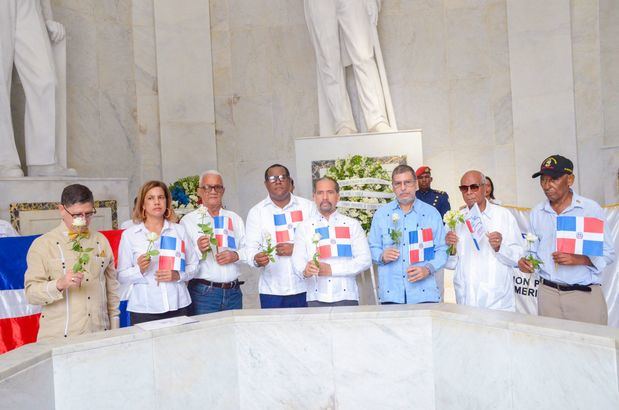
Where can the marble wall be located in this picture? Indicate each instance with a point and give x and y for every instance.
(493, 84)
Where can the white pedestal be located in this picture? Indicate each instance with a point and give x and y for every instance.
(49, 189)
(376, 145)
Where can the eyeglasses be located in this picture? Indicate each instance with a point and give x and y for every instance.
(217, 188)
(405, 184)
(87, 215)
(473, 187)
(274, 178)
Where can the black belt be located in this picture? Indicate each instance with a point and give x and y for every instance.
(223, 285)
(567, 288)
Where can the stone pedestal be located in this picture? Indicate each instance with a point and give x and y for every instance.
(314, 155)
(42, 190)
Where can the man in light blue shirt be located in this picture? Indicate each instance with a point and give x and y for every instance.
(570, 286)
(401, 281)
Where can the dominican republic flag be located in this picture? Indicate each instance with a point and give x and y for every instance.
(285, 224)
(172, 254)
(224, 232)
(580, 235)
(420, 245)
(335, 242)
(19, 321)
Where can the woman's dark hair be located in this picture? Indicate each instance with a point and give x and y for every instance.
(491, 184)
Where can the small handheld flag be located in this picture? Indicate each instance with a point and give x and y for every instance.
(420, 245)
(580, 235)
(335, 242)
(285, 224)
(224, 232)
(172, 254)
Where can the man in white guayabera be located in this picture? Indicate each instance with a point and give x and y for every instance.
(343, 33)
(26, 28)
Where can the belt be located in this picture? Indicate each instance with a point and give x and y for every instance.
(567, 288)
(223, 285)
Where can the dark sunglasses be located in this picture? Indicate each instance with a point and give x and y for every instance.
(465, 188)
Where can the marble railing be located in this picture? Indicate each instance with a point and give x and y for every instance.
(426, 357)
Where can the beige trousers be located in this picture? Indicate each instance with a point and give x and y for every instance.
(576, 305)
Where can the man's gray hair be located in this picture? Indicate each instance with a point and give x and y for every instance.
(210, 172)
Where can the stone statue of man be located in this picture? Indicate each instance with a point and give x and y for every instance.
(343, 33)
(26, 28)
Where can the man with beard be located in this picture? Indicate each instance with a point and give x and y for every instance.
(273, 221)
(407, 241)
(330, 249)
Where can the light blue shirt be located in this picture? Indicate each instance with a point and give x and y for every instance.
(544, 225)
(392, 279)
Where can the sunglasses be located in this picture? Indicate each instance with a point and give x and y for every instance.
(274, 178)
(473, 187)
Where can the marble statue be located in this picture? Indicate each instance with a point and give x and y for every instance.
(27, 29)
(344, 33)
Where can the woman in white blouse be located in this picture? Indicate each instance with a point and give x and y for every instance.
(158, 278)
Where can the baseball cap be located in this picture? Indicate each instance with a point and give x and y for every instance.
(555, 166)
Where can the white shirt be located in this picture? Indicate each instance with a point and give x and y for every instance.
(209, 269)
(484, 278)
(145, 296)
(342, 284)
(277, 278)
(6, 229)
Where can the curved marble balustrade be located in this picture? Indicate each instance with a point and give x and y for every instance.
(390, 357)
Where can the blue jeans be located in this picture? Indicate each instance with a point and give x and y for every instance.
(209, 299)
(287, 301)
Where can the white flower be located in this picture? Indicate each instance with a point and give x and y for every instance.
(152, 236)
(202, 210)
(316, 238)
(266, 235)
(395, 218)
(79, 222)
(531, 237)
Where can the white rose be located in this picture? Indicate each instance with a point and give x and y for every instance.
(152, 236)
(317, 237)
(395, 218)
(79, 222)
(266, 235)
(202, 210)
(531, 237)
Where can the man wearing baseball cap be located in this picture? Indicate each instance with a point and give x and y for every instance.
(434, 197)
(570, 283)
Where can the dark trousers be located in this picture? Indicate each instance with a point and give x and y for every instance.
(148, 317)
(287, 301)
(317, 303)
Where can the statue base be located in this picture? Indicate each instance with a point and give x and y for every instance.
(30, 203)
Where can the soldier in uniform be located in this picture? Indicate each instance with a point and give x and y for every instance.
(438, 199)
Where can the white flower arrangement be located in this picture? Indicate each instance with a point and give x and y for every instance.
(356, 167)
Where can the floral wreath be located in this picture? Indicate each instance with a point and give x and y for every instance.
(185, 193)
(364, 187)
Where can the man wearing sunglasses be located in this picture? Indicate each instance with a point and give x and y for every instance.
(407, 268)
(484, 269)
(216, 286)
(570, 283)
(274, 220)
(73, 302)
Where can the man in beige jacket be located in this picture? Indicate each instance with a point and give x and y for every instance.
(75, 299)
